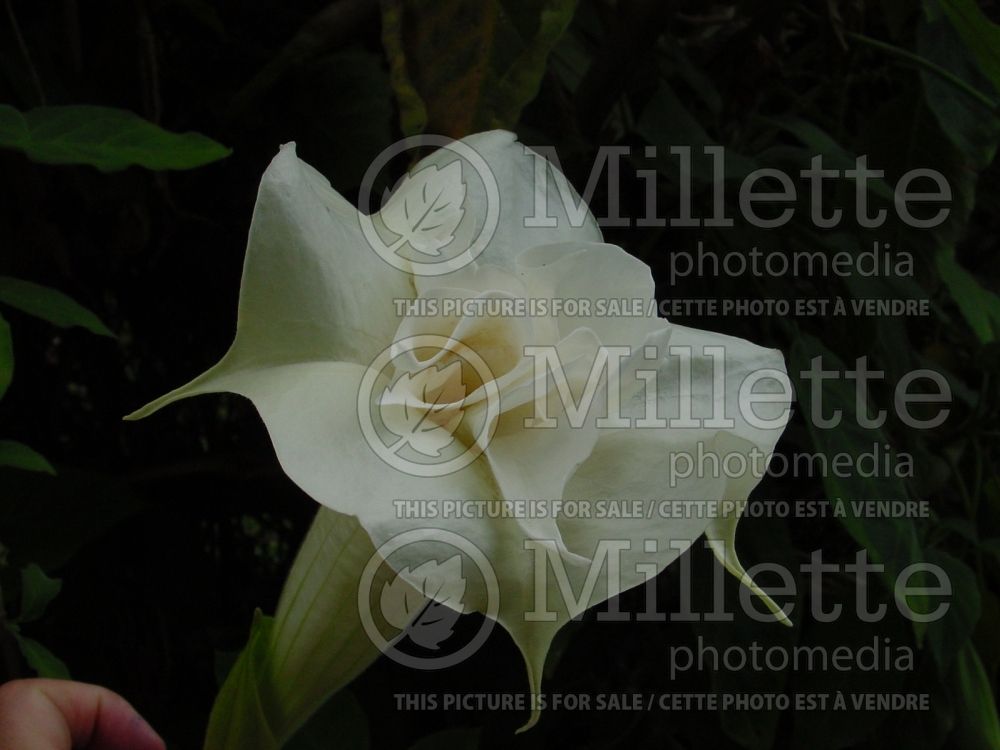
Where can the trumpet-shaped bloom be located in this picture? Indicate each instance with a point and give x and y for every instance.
(318, 306)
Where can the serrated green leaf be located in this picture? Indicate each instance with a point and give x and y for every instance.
(49, 304)
(37, 592)
(103, 137)
(44, 662)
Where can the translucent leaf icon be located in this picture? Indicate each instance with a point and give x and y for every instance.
(426, 209)
(400, 602)
(433, 626)
(420, 408)
(426, 602)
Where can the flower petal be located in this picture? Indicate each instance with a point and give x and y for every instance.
(522, 188)
(599, 286)
(312, 288)
(721, 537)
(532, 462)
(309, 411)
(708, 466)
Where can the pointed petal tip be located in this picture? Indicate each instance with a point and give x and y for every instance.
(204, 383)
(536, 714)
(144, 411)
(779, 613)
(284, 164)
(722, 540)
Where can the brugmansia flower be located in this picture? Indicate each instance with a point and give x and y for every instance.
(318, 306)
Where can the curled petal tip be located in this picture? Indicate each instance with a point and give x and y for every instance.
(722, 539)
(536, 714)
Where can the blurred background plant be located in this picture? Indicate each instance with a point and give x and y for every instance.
(166, 535)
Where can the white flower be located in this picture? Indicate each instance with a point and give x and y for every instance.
(317, 308)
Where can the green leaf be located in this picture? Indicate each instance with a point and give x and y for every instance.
(666, 122)
(979, 306)
(6, 357)
(819, 141)
(946, 636)
(965, 120)
(103, 137)
(923, 64)
(984, 638)
(342, 717)
(312, 648)
(49, 304)
(891, 541)
(239, 718)
(53, 517)
(913, 727)
(19, 456)
(979, 32)
(37, 592)
(848, 727)
(44, 662)
(924, 142)
(976, 723)
(478, 79)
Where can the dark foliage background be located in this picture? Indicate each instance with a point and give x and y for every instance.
(168, 533)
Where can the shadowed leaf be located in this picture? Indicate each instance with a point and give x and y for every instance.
(103, 137)
(49, 304)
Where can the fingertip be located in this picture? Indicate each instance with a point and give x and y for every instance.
(118, 725)
(53, 714)
(145, 737)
